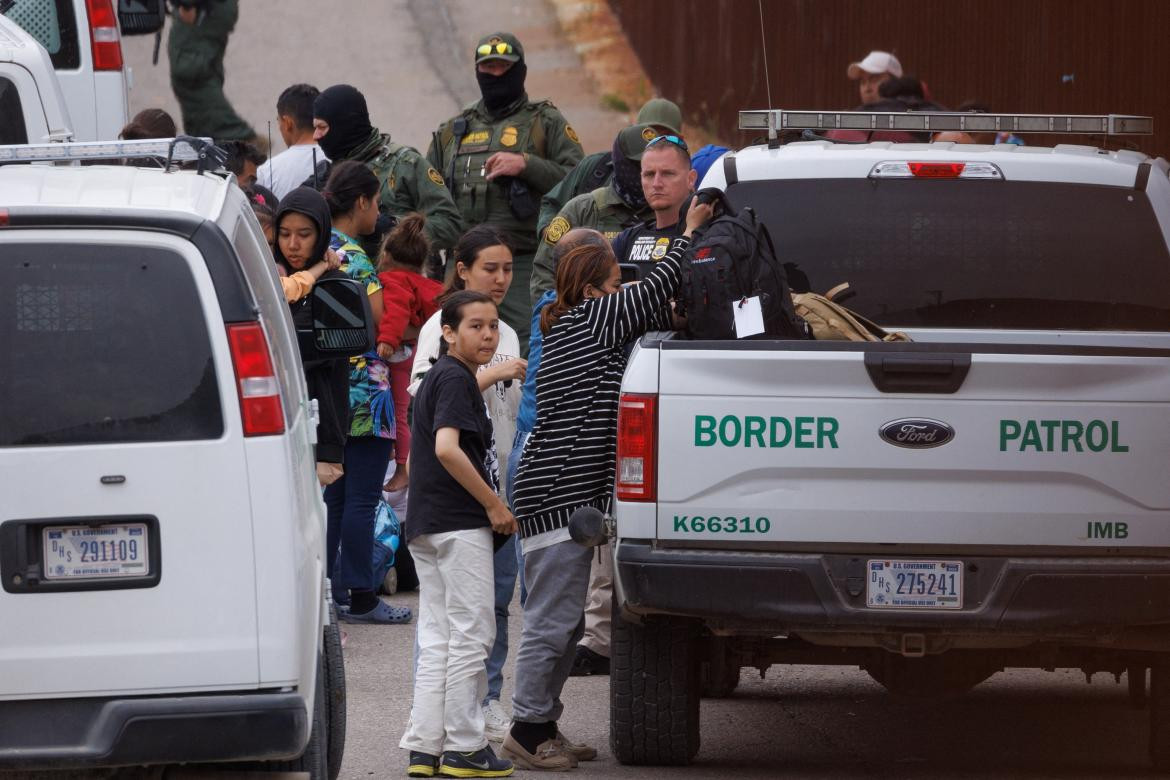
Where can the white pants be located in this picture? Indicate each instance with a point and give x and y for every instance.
(456, 629)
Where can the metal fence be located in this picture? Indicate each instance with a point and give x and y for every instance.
(1058, 56)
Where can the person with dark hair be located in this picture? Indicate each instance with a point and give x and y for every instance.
(149, 123)
(483, 263)
(243, 160)
(408, 183)
(352, 501)
(408, 301)
(456, 511)
(294, 116)
(500, 155)
(581, 369)
(609, 209)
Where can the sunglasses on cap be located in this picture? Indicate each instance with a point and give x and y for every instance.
(498, 48)
(670, 139)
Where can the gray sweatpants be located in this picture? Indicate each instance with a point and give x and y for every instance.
(554, 621)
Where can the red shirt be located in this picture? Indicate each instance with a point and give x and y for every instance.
(408, 298)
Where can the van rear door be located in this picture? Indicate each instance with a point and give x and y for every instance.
(125, 523)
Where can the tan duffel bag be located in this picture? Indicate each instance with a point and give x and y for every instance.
(830, 321)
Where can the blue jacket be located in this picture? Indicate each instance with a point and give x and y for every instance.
(526, 417)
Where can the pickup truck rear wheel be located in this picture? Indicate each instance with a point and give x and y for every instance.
(1159, 701)
(654, 691)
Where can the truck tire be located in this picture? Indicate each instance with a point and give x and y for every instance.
(719, 673)
(1159, 702)
(948, 675)
(334, 694)
(654, 691)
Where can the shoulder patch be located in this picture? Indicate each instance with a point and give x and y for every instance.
(434, 176)
(569, 131)
(392, 181)
(556, 230)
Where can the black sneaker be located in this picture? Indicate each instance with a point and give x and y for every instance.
(422, 764)
(481, 763)
(588, 662)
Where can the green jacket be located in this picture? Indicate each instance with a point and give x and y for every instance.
(536, 129)
(601, 210)
(594, 171)
(409, 183)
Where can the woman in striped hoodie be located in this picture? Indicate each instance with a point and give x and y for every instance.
(568, 464)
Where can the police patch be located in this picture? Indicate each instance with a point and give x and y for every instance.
(510, 136)
(660, 248)
(434, 176)
(569, 131)
(556, 230)
(648, 133)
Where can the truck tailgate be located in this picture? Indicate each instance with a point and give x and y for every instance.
(1037, 447)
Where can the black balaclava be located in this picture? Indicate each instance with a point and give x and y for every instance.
(307, 201)
(501, 92)
(627, 178)
(344, 108)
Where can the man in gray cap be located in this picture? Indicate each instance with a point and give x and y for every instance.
(608, 209)
(596, 169)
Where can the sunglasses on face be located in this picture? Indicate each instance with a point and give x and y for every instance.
(670, 139)
(499, 48)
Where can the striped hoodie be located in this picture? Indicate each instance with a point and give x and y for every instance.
(570, 458)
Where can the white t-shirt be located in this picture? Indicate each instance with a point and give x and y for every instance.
(503, 403)
(288, 170)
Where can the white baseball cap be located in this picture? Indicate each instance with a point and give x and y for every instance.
(876, 62)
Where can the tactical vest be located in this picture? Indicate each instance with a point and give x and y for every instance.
(465, 154)
(612, 219)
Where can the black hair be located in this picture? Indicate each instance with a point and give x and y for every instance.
(239, 152)
(902, 87)
(348, 181)
(452, 312)
(149, 123)
(296, 102)
(407, 244)
(470, 244)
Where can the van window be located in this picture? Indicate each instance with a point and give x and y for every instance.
(54, 26)
(102, 344)
(12, 129)
(973, 254)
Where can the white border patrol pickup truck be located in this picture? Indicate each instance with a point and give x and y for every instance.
(992, 494)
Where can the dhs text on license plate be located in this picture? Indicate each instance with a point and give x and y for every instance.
(894, 584)
(96, 552)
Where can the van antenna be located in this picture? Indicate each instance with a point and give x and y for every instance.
(773, 136)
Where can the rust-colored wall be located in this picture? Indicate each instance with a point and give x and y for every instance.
(1028, 56)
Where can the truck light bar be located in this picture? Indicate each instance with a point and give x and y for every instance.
(776, 120)
(164, 150)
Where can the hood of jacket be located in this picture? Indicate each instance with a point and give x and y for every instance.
(307, 201)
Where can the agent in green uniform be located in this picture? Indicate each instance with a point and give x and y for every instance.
(595, 169)
(500, 155)
(197, 42)
(608, 210)
(341, 127)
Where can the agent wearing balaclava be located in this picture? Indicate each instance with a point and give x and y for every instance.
(341, 127)
(500, 155)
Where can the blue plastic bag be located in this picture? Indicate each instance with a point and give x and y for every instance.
(387, 537)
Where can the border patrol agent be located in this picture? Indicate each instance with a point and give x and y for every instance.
(341, 127)
(609, 209)
(500, 155)
(596, 169)
(195, 48)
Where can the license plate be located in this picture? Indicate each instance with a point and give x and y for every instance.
(915, 585)
(75, 552)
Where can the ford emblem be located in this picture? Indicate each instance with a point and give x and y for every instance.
(917, 433)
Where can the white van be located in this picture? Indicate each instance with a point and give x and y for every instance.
(85, 46)
(162, 578)
(32, 108)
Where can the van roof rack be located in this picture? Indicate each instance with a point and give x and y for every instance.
(166, 150)
(780, 119)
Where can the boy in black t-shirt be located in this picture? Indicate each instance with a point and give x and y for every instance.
(454, 509)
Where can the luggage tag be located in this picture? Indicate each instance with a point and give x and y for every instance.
(749, 316)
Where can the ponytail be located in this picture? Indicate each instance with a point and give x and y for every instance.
(407, 244)
(348, 181)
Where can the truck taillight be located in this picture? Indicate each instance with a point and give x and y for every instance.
(637, 445)
(260, 405)
(103, 35)
(900, 169)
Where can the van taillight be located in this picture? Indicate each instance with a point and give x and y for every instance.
(103, 35)
(260, 405)
(636, 446)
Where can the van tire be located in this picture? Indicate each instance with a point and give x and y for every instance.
(1159, 703)
(654, 691)
(315, 759)
(334, 694)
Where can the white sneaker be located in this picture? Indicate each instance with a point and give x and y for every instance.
(496, 722)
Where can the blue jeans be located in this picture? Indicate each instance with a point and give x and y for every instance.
(352, 504)
(514, 457)
(505, 576)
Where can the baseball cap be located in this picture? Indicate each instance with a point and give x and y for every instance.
(499, 46)
(661, 113)
(876, 62)
(632, 140)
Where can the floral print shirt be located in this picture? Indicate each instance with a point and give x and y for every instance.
(371, 406)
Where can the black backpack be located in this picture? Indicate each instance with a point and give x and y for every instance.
(730, 259)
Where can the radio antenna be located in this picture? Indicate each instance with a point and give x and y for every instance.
(773, 136)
